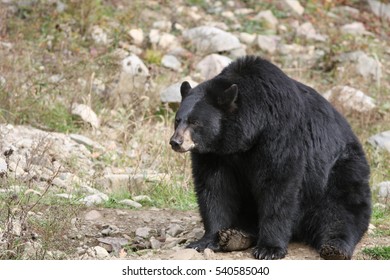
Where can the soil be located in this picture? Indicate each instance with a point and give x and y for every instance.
(124, 223)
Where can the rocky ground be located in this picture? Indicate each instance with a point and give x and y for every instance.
(87, 103)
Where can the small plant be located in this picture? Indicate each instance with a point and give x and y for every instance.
(378, 252)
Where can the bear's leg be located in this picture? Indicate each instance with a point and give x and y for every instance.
(277, 208)
(219, 201)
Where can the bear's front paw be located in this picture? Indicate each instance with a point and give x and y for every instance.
(204, 243)
(269, 253)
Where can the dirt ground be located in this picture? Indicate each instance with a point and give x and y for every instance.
(113, 225)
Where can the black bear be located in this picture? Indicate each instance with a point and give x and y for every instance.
(272, 162)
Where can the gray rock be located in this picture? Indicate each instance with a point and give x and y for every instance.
(380, 9)
(64, 195)
(84, 140)
(268, 18)
(174, 230)
(366, 66)
(197, 233)
(355, 28)
(154, 243)
(168, 42)
(115, 243)
(109, 230)
(381, 140)
(100, 252)
(94, 199)
(171, 62)
(3, 167)
(307, 30)
(207, 39)
(86, 114)
(350, 98)
(93, 215)
(54, 79)
(133, 66)
(268, 43)
(212, 65)
(383, 189)
(172, 93)
(294, 6)
(130, 202)
(247, 38)
(209, 254)
(143, 232)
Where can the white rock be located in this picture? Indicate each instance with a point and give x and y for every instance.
(154, 36)
(247, 38)
(134, 66)
(100, 252)
(174, 230)
(350, 98)
(168, 42)
(186, 254)
(163, 25)
(368, 66)
(209, 254)
(171, 62)
(295, 6)
(355, 28)
(383, 188)
(86, 114)
(307, 30)
(2, 81)
(268, 43)
(154, 243)
(381, 140)
(212, 65)
(172, 93)
(99, 36)
(268, 17)
(98, 86)
(137, 36)
(64, 195)
(380, 8)
(54, 79)
(140, 198)
(208, 39)
(130, 202)
(94, 199)
(3, 167)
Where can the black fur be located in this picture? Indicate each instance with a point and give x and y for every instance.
(276, 161)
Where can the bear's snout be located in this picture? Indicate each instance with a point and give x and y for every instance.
(175, 143)
(181, 141)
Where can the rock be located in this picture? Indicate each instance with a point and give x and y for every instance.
(94, 199)
(381, 140)
(307, 30)
(209, 254)
(114, 181)
(174, 230)
(89, 143)
(371, 229)
(366, 66)
(212, 65)
(64, 195)
(380, 8)
(154, 243)
(207, 39)
(168, 42)
(86, 114)
(163, 25)
(186, 254)
(116, 243)
(93, 215)
(171, 62)
(98, 87)
(140, 198)
(100, 252)
(294, 6)
(197, 233)
(383, 189)
(99, 36)
(109, 230)
(355, 28)
(133, 66)
(143, 232)
(137, 36)
(3, 167)
(130, 202)
(172, 93)
(55, 79)
(268, 43)
(350, 99)
(247, 38)
(268, 18)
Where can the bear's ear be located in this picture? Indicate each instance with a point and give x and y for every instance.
(228, 98)
(185, 89)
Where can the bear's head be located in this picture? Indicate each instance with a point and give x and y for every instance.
(198, 122)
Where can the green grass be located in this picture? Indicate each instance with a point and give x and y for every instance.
(378, 252)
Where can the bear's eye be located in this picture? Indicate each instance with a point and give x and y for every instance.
(193, 122)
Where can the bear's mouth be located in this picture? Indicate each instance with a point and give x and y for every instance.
(182, 149)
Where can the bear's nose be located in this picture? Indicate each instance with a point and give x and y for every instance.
(175, 143)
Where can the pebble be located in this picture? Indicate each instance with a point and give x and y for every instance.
(174, 230)
(268, 43)
(143, 232)
(212, 65)
(109, 230)
(294, 6)
(154, 243)
(355, 28)
(350, 98)
(100, 252)
(381, 140)
(130, 202)
(383, 189)
(171, 62)
(99, 36)
(140, 198)
(94, 199)
(137, 36)
(268, 18)
(3, 167)
(209, 254)
(86, 114)
(172, 94)
(186, 254)
(93, 215)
